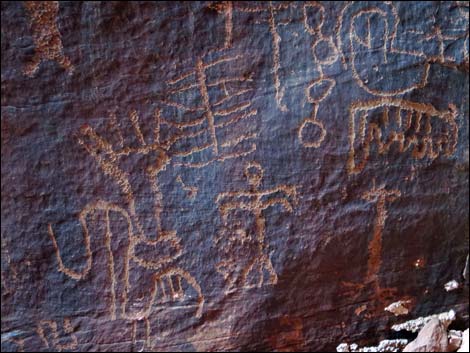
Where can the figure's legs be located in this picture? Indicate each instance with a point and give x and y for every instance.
(254, 274)
(229, 270)
(268, 267)
(261, 263)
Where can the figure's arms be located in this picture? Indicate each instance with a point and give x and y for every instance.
(286, 196)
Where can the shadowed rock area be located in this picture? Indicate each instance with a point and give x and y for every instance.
(233, 176)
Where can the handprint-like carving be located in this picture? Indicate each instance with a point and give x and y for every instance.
(134, 168)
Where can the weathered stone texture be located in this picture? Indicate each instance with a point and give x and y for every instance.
(230, 175)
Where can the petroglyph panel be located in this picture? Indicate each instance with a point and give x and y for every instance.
(230, 176)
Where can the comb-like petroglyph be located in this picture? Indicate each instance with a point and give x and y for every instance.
(232, 175)
(210, 114)
(418, 129)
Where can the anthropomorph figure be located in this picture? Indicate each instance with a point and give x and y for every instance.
(252, 201)
(382, 296)
(46, 36)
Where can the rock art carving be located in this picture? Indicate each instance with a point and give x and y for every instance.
(321, 87)
(380, 196)
(198, 136)
(169, 282)
(147, 345)
(226, 8)
(370, 29)
(446, 41)
(210, 118)
(168, 276)
(46, 36)
(48, 331)
(416, 127)
(190, 190)
(254, 201)
(116, 161)
(271, 12)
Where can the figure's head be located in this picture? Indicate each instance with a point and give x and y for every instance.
(254, 173)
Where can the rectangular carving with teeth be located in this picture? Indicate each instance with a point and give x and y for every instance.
(413, 127)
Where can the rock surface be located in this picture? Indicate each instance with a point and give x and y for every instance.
(455, 340)
(384, 346)
(465, 342)
(451, 285)
(181, 176)
(398, 308)
(431, 338)
(417, 324)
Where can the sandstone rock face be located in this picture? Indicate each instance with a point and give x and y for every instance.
(181, 176)
(416, 325)
(455, 340)
(465, 342)
(432, 338)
